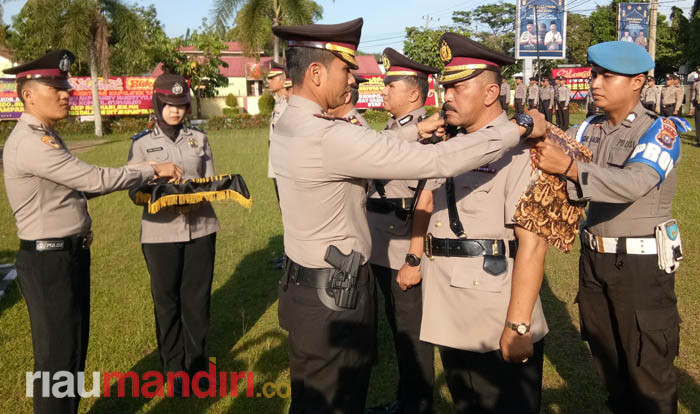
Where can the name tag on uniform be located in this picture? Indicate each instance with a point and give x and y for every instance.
(154, 149)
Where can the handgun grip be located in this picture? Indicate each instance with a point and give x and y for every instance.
(334, 257)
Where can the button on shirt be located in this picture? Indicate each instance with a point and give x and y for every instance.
(624, 199)
(321, 166)
(46, 184)
(463, 306)
(190, 151)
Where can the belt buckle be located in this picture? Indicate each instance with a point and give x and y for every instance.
(49, 245)
(428, 245)
(494, 248)
(87, 241)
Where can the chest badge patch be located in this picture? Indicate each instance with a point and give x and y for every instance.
(50, 142)
(192, 143)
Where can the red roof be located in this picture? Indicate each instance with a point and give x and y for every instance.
(368, 65)
(231, 47)
(236, 66)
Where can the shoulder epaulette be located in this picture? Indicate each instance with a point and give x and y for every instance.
(198, 129)
(141, 134)
(331, 117)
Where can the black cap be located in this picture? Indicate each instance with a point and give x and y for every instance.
(397, 66)
(172, 89)
(51, 69)
(465, 58)
(276, 69)
(358, 80)
(533, 78)
(340, 39)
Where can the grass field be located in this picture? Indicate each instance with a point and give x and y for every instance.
(244, 333)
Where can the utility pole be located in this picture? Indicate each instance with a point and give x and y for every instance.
(428, 19)
(652, 31)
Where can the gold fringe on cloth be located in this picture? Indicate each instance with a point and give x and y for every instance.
(188, 193)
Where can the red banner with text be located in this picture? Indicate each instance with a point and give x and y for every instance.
(576, 79)
(371, 93)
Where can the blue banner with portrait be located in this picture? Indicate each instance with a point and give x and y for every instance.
(633, 23)
(541, 29)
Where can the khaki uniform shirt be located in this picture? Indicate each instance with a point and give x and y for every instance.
(463, 306)
(563, 96)
(47, 185)
(533, 93)
(651, 95)
(280, 106)
(695, 92)
(391, 237)
(321, 166)
(505, 91)
(624, 199)
(672, 95)
(191, 151)
(520, 92)
(547, 94)
(354, 113)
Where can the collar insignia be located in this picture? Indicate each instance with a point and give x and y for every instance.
(406, 119)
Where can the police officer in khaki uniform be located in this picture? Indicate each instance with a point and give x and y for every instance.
(671, 96)
(322, 163)
(504, 95)
(276, 79)
(695, 109)
(563, 97)
(651, 96)
(48, 188)
(179, 246)
(389, 214)
(348, 110)
(533, 94)
(480, 297)
(627, 305)
(546, 99)
(520, 95)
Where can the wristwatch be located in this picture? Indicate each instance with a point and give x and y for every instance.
(520, 328)
(525, 121)
(412, 260)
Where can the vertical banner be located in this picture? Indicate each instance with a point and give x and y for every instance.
(541, 29)
(633, 23)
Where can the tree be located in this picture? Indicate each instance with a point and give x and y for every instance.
(579, 37)
(603, 24)
(422, 45)
(255, 18)
(693, 48)
(86, 27)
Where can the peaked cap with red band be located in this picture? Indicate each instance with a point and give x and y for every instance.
(51, 69)
(171, 89)
(340, 39)
(397, 66)
(275, 70)
(465, 58)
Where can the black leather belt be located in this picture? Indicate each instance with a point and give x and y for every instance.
(319, 278)
(389, 205)
(78, 241)
(468, 247)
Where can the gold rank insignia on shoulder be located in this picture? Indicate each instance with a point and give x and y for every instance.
(386, 62)
(50, 141)
(445, 52)
(193, 143)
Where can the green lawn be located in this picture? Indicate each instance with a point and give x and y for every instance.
(244, 333)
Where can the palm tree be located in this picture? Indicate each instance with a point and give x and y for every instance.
(255, 18)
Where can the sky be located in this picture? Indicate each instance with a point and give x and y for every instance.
(384, 19)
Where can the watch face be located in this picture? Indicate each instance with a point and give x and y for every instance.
(521, 329)
(412, 260)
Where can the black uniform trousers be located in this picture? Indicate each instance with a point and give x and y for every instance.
(56, 287)
(630, 319)
(697, 122)
(519, 106)
(503, 101)
(483, 383)
(181, 278)
(546, 110)
(415, 358)
(562, 116)
(667, 110)
(330, 352)
(531, 104)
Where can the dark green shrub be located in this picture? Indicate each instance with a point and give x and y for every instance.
(376, 115)
(430, 110)
(266, 104)
(231, 101)
(231, 112)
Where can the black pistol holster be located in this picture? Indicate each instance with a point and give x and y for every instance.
(343, 279)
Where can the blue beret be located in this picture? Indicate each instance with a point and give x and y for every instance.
(621, 57)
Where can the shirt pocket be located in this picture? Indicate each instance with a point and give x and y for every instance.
(468, 273)
(472, 192)
(157, 154)
(194, 159)
(618, 156)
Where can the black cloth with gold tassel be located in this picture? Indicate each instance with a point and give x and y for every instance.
(184, 193)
